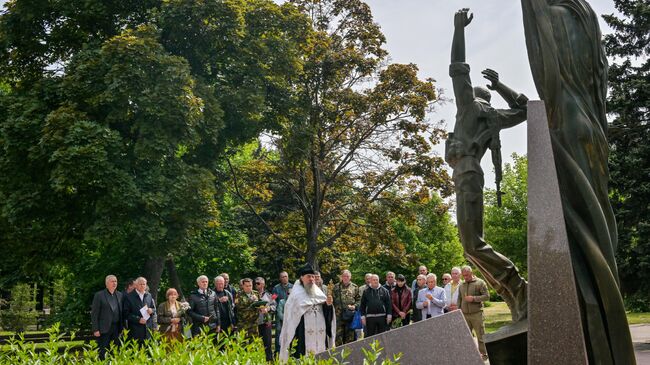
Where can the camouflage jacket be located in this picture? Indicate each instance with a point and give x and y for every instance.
(246, 314)
(344, 296)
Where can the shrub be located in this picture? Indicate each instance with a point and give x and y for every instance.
(637, 303)
(200, 350)
(22, 309)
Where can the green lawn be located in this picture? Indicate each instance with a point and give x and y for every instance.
(497, 315)
(638, 318)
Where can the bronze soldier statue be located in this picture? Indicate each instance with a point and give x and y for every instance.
(477, 129)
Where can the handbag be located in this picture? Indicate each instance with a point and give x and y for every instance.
(348, 315)
(356, 321)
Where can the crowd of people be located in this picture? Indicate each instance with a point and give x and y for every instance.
(318, 316)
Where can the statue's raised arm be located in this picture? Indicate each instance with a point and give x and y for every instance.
(462, 18)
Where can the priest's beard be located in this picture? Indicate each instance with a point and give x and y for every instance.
(310, 289)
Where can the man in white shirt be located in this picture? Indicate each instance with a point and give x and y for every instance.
(451, 290)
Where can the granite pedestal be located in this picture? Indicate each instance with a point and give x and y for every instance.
(555, 334)
(443, 340)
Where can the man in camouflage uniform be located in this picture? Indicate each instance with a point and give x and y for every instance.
(346, 299)
(247, 314)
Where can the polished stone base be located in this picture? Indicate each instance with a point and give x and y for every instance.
(507, 346)
(443, 340)
(555, 334)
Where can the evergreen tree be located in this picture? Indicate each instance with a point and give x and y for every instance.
(629, 81)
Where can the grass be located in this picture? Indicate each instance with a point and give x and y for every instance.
(638, 318)
(497, 315)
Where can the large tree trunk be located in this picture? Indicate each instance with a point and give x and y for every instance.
(40, 297)
(153, 269)
(312, 252)
(51, 293)
(174, 280)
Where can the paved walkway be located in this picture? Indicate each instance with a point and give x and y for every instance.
(641, 339)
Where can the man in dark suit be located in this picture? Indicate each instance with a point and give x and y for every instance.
(106, 315)
(135, 303)
(203, 308)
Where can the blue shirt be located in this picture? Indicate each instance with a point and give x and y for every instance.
(435, 305)
(281, 291)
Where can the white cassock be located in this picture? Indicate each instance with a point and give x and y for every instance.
(300, 304)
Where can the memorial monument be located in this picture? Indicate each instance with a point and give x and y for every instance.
(570, 72)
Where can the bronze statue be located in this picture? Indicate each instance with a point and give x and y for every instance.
(569, 67)
(477, 129)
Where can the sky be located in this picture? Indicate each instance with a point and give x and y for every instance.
(420, 32)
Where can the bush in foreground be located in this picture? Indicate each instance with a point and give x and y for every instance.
(201, 350)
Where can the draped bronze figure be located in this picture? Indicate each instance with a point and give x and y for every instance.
(570, 71)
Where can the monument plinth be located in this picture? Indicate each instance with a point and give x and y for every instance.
(423, 342)
(555, 333)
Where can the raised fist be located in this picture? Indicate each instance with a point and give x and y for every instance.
(462, 19)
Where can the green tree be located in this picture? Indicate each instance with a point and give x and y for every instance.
(117, 116)
(358, 129)
(417, 231)
(506, 226)
(629, 47)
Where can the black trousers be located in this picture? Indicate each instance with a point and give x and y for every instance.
(267, 338)
(375, 325)
(105, 339)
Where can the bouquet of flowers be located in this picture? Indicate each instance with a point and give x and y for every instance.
(182, 312)
(267, 316)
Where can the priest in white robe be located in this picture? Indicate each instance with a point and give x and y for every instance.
(308, 317)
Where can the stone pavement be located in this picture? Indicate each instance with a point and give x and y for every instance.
(641, 339)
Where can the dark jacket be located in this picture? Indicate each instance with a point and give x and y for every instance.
(226, 310)
(375, 301)
(389, 287)
(404, 303)
(102, 315)
(132, 305)
(203, 305)
(417, 313)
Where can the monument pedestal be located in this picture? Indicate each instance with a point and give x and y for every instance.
(442, 340)
(555, 334)
(507, 346)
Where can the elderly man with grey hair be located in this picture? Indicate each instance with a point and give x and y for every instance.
(203, 308)
(471, 295)
(225, 305)
(346, 300)
(422, 270)
(431, 299)
(140, 312)
(451, 290)
(106, 315)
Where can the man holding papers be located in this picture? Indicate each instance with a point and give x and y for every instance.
(139, 310)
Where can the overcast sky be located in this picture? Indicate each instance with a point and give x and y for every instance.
(420, 32)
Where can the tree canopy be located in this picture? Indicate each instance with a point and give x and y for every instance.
(506, 226)
(359, 130)
(629, 96)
